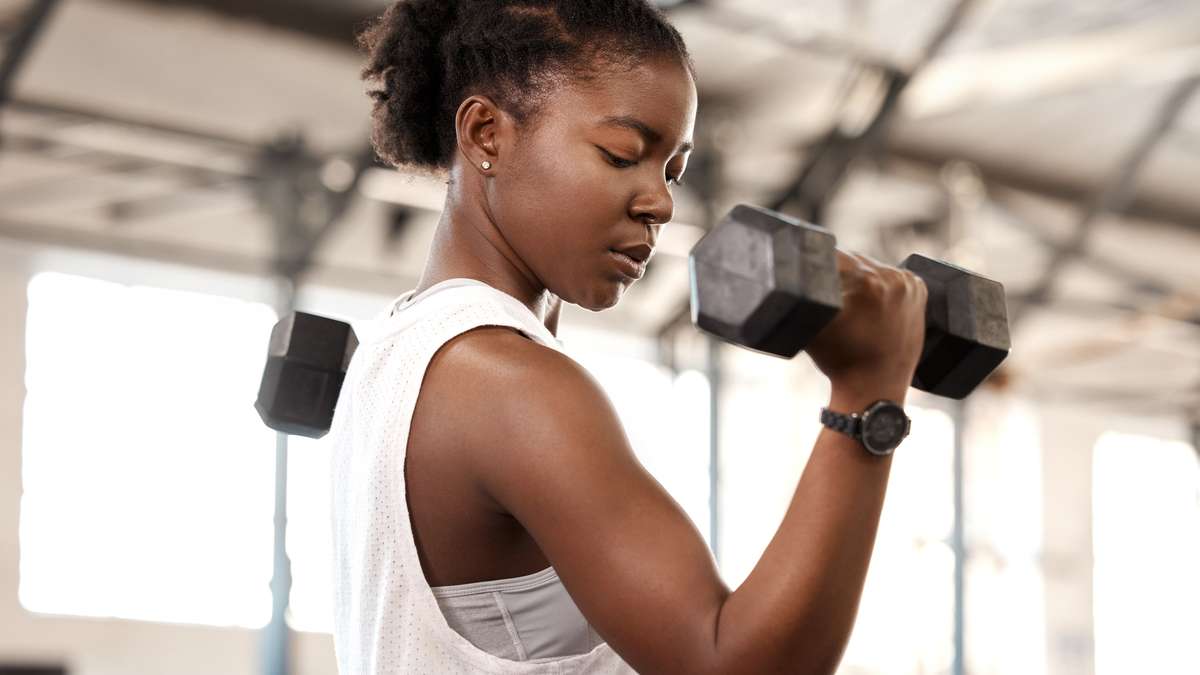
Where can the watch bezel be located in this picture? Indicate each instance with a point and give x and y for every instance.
(865, 421)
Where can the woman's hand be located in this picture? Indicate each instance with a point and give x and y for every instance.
(871, 348)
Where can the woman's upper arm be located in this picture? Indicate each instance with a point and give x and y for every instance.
(550, 450)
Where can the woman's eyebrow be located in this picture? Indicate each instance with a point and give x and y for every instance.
(651, 135)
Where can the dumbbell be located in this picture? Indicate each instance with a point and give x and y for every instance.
(770, 283)
(306, 365)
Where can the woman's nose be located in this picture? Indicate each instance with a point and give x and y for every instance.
(654, 207)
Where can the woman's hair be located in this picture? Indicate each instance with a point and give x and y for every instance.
(425, 56)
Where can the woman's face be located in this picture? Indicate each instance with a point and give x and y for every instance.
(593, 174)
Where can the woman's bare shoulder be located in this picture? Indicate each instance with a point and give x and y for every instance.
(494, 391)
(500, 355)
(482, 382)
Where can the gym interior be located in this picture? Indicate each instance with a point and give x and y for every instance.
(176, 175)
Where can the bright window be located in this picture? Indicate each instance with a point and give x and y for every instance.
(1146, 542)
(309, 539)
(905, 621)
(147, 474)
(769, 424)
(1003, 512)
(666, 420)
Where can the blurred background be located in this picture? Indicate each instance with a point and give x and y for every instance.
(163, 164)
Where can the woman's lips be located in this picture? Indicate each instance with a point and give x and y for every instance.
(628, 266)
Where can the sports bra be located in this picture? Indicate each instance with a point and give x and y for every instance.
(522, 618)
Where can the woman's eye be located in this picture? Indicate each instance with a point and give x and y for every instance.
(618, 162)
(622, 163)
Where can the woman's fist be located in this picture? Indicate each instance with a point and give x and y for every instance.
(873, 344)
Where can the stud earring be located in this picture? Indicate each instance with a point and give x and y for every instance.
(486, 165)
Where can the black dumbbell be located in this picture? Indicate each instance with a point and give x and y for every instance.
(306, 365)
(770, 283)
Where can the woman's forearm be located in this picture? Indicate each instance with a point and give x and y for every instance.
(795, 611)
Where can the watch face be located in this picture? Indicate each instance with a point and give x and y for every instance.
(884, 427)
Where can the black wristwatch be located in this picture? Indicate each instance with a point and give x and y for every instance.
(879, 428)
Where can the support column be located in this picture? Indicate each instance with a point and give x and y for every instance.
(958, 412)
(714, 441)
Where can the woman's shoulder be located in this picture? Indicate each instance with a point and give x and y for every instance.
(499, 356)
(493, 378)
(492, 390)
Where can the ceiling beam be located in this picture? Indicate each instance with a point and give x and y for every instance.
(1132, 278)
(831, 157)
(1055, 66)
(18, 45)
(1113, 197)
(68, 112)
(1045, 183)
(43, 235)
(333, 22)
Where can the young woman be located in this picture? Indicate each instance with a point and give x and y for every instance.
(489, 514)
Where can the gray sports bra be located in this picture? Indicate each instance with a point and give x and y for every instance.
(521, 619)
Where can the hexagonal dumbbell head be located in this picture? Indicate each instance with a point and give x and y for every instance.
(306, 365)
(966, 328)
(764, 281)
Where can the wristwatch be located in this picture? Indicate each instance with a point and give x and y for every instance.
(879, 428)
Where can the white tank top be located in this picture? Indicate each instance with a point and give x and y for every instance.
(387, 619)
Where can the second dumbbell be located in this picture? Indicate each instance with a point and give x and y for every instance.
(770, 283)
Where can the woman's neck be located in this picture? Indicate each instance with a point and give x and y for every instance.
(467, 245)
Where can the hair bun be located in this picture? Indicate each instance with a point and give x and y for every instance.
(424, 57)
(405, 62)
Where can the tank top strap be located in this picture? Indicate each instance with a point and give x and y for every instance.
(466, 300)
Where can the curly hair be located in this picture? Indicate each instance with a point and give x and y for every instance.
(425, 56)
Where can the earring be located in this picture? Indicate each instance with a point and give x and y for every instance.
(486, 165)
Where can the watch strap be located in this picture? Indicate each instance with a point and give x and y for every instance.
(850, 424)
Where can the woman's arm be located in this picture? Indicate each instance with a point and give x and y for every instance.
(796, 610)
(544, 444)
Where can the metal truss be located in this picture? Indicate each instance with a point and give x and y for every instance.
(1113, 197)
(831, 156)
(18, 42)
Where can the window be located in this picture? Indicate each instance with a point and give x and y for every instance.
(905, 621)
(769, 424)
(666, 419)
(1146, 543)
(309, 538)
(147, 474)
(1003, 513)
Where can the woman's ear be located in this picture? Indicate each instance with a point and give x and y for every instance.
(478, 124)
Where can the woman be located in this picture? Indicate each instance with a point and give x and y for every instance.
(489, 514)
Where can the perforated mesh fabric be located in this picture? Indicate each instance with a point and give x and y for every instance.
(386, 618)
